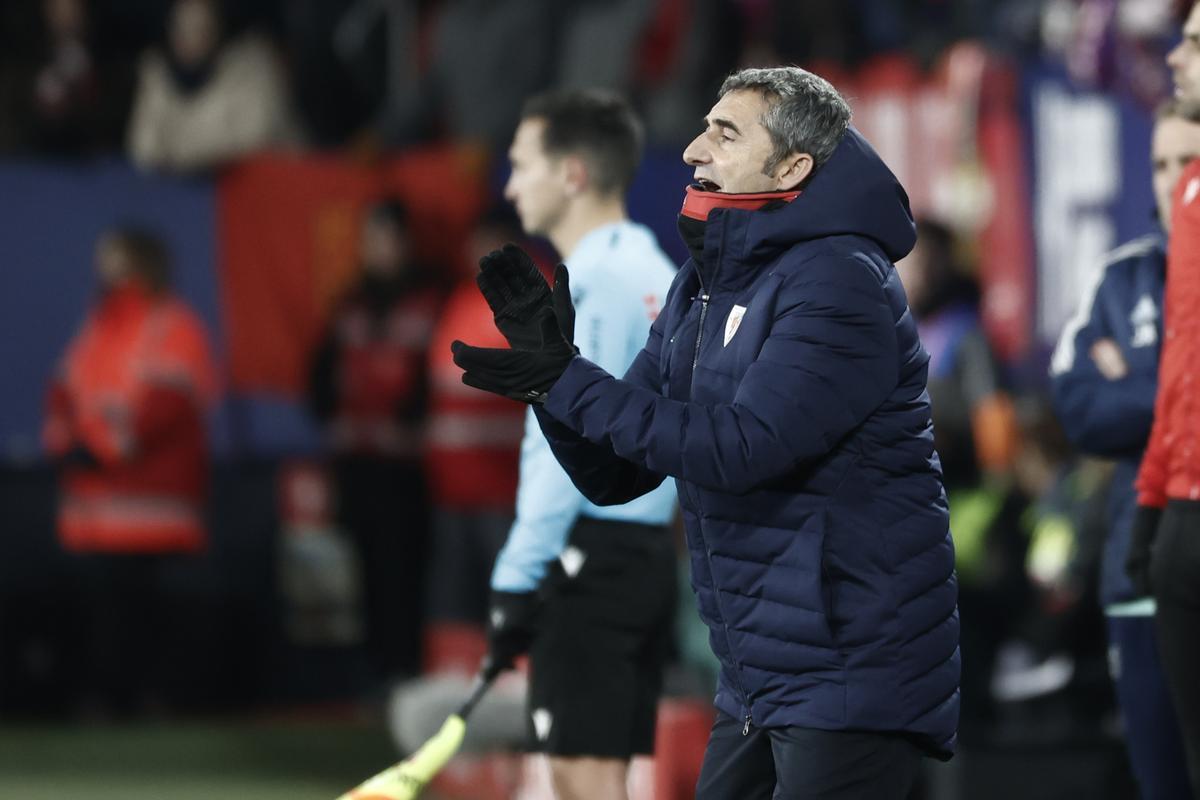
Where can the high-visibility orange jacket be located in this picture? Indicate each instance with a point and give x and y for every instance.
(474, 437)
(127, 413)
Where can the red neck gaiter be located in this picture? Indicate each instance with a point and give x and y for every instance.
(697, 203)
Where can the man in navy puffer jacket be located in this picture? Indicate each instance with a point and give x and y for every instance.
(783, 387)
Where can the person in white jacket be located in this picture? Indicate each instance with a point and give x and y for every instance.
(202, 102)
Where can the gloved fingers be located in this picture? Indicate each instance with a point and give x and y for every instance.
(493, 370)
(564, 310)
(548, 325)
(494, 290)
(505, 259)
(488, 359)
(520, 274)
(486, 383)
(506, 275)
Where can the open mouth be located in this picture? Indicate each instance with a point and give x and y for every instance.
(706, 185)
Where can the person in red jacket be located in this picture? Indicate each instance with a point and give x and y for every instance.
(126, 424)
(1164, 552)
(368, 386)
(471, 458)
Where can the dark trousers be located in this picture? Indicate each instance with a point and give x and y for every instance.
(1151, 730)
(1175, 575)
(805, 764)
(384, 508)
(135, 646)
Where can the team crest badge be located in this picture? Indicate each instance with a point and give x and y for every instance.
(735, 319)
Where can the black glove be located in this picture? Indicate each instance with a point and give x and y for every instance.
(512, 624)
(515, 291)
(526, 374)
(1141, 540)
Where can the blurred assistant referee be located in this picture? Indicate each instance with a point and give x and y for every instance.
(783, 386)
(588, 590)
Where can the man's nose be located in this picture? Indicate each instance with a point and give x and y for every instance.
(1173, 56)
(696, 153)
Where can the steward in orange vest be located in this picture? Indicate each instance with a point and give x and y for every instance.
(126, 412)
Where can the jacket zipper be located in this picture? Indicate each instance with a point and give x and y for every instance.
(704, 297)
(699, 334)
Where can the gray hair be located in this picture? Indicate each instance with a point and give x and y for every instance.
(806, 114)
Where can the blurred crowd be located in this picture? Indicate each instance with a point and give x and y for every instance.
(412, 458)
(187, 85)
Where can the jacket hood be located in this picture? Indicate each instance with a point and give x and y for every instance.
(853, 193)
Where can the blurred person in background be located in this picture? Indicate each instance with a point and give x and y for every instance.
(973, 417)
(1164, 548)
(471, 457)
(975, 433)
(126, 425)
(368, 387)
(68, 96)
(588, 591)
(203, 100)
(783, 386)
(1046, 667)
(1104, 374)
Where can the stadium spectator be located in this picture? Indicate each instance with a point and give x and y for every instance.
(204, 100)
(973, 418)
(471, 458)
(975, 433)
(368, 386)
(1104, 374)
(67, 95)
(126, 425)
(783, 386)
(470, 38)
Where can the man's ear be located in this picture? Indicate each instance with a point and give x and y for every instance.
(793, 171)
(575, 171)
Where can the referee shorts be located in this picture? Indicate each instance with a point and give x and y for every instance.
(605, 633)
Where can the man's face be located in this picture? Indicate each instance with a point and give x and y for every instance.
(112, 263)
(193, 31)
(1175, 143)
(914, 274)
(1184, 62)
(383, 248)
(731, 152)
(538, 186)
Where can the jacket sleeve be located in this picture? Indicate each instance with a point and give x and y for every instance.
(547, 504)
(1183, 257)
(598, 473)
(1102, 417)
(1151, 482)
(147, 135)
(58, 430)
(830, 359)
(547, 507)
(178, 384)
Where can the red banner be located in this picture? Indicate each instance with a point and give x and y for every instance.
(288, 231)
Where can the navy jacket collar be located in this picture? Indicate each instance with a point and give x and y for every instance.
(854, 193)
